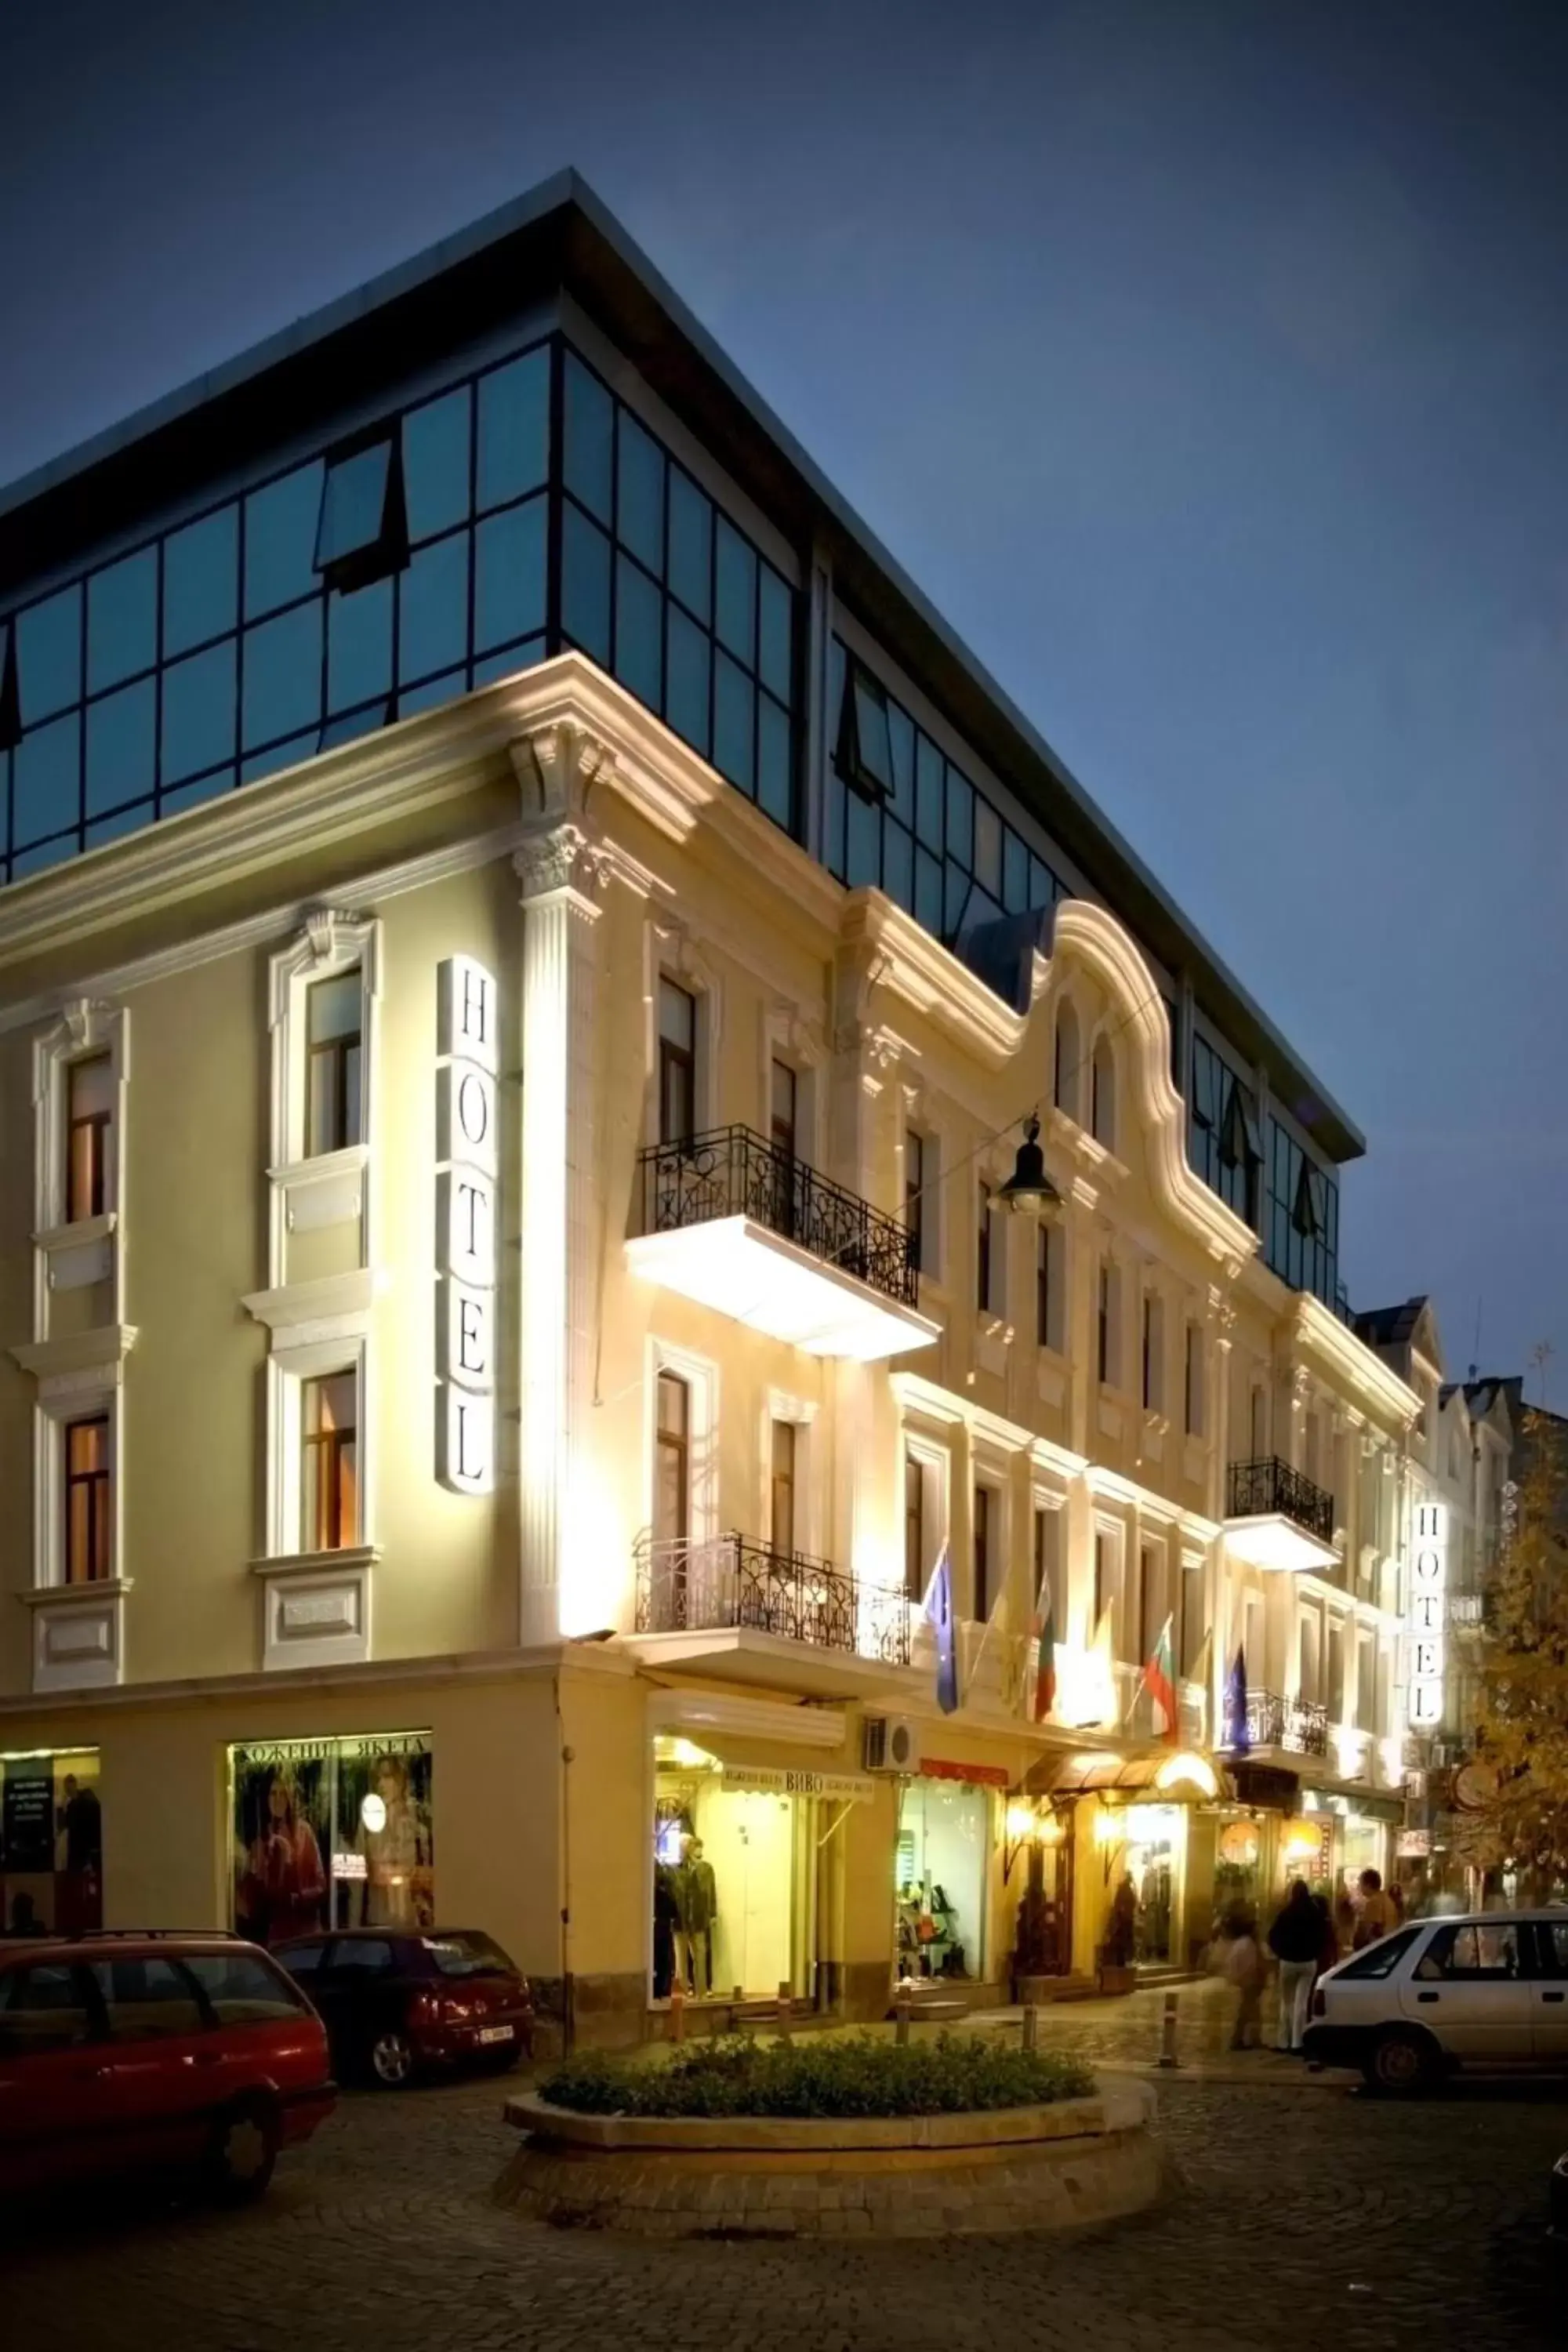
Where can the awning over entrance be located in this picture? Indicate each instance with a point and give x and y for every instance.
(1178, 1774)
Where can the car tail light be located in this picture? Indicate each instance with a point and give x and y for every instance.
(1319, 2003)
(425, 2009)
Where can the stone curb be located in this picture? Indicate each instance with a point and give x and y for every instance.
(764, 2135)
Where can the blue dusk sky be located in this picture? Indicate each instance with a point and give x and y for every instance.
(1206, 364)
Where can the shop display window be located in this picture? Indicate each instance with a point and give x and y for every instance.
(728, 1855)
(940, 1879)
(331, 1833)
(1156, 1839)
(51, 1843)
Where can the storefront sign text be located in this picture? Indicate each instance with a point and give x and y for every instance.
(1428, 1579)
(983, 1776)
(466, 1139)
(791, 1781)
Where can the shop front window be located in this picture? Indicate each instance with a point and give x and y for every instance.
(940, 1871)
(51, 1843)
(1155, 1840)
(331, 1833)
(731, 1844)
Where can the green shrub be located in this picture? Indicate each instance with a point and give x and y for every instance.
(862, 2076)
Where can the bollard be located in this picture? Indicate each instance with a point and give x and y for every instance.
(901, 2028)
(786, 2007)
(678, 2012)
(1168, 2032)
(1031, 2026)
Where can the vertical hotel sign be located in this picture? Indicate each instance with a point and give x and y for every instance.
(1428, 1588)
(466, 1133)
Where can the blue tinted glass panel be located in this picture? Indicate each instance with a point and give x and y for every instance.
(585, 584)
(432, 694)
(281, 539)
(686, 687)
(207, 788)
(515, 429)
(348, 726)
(44, 781)
(639, 625)
(898, 866)
(735, 597)
(198, 712)
(200, 581)
(690, 544)
(509, 661)
(125, 820)
(120, 750)
(48, 655)
(587, 432)
(282, 670)
(960, 818)
(353, 504)
(902, 741)
(359, 646)
(509, 576)
(833, 846)
(734, 714)
(432, 608)
(50, 853)
(122, 620)
(776, 790)
(956, 887)
(435, 465)
(928, 795)
(987, 847)
(1014, 874)
(640, 514)
(863, 848)
(775, 649)
(278, 755)
(1041, 892)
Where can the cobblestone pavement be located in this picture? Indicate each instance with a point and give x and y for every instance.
(1335, 2220)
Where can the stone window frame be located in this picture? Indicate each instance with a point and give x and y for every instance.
(334, 1187)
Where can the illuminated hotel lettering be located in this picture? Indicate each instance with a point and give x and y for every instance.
(466, 1225)
(1428, 1579)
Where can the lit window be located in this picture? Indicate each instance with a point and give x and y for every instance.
(87, 1557)
(90, 1104)
(333, 1106)
(362, 531)
(865, 756)
(329, 1465)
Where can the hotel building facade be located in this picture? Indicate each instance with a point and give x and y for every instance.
(527, 955)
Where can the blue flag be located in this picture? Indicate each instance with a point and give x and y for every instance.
(939, 1616)
(1236, 1737)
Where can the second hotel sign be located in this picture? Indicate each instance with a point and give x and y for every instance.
(466, 1225)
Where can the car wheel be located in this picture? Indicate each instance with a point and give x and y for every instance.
(244, 2151)
(392, 2059)
(1401, 2065)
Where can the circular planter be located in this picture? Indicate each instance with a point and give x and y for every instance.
(1046, 2168)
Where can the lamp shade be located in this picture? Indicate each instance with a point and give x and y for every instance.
(1029, 1187)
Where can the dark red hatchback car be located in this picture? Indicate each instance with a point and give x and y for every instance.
(398, 2002)
(123, 2053)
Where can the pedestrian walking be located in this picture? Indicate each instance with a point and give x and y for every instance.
(1242, 1969)
(1296, 1941)
(1378, 1916)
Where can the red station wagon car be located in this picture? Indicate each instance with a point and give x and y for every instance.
(131, 2051)
(398, 2002)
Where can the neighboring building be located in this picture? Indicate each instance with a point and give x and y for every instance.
(504, 1273)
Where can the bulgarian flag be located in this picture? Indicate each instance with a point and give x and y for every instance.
(1160, 1682)
(1044, 1632)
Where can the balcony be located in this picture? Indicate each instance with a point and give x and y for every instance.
(732, 1222)
(1276, 1517)
(1295, 1725)
(729, 1583)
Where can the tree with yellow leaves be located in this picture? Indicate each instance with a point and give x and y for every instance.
(1522, 1731)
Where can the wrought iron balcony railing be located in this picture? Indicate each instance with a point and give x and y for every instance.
(1299, 1726)
(1259, 1489)
(729, 1580)
(733, 1172)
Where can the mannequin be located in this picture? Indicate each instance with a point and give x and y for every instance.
(697, 1899)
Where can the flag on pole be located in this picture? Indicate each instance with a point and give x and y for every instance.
(1236, 1737)
(1102, 1674)
(938, 1613)
(1043, 1628)
(1160, 1682)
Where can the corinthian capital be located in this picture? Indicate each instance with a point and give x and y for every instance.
(557, 766)
(561, 858)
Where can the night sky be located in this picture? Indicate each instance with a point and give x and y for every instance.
(1206, 365)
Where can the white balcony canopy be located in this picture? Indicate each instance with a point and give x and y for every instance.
(740, 1269)
(1271, 1539)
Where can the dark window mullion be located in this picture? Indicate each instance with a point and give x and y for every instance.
(554, 480)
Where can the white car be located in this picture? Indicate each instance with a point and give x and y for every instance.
(1486, 1990)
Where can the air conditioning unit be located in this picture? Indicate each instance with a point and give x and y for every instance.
(891, 1743)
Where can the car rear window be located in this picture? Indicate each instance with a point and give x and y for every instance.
(1378, 1959)
(467, 1955)
(242, 1990)
(301, 1960)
